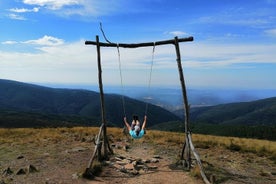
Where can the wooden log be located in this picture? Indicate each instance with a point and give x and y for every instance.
(186, 148)
(100, 80)
(135, 45)
(105, 142)
(198, 161)
(96, 148)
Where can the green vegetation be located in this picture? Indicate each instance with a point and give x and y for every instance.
(260, 112)
(36, 105)
(26, 105)
(254, 131)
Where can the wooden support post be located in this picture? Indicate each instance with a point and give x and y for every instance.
(186, 146)
(95, 149)
(198, 160)
(106, 146)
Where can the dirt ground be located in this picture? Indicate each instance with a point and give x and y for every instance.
(53, 161)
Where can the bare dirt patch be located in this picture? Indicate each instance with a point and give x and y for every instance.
(62, 156)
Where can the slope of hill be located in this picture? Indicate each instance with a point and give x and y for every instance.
(23, 97)
(256, 119)
(260, 112)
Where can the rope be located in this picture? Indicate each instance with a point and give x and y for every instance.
(103, 33)
(149, 84)
(122, 87)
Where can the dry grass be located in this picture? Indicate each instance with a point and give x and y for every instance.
(260, 147)
(31, 135)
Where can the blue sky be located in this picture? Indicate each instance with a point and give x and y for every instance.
(42, 41)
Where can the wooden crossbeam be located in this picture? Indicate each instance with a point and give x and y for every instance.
(136, 45)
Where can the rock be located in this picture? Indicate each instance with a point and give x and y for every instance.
(75, 176)
(152, 167)
(154, 160)
(21, 171)
(20, 157)
(119, 158)
(140, 166)
(129, 167)
(121, 162)
(78, 149)
(134, 172)
(157, 156)
(31, 169)
(134, 163)
(117, 166)
(147, 161)
(124, 170)
(46, 154)
(7, 171)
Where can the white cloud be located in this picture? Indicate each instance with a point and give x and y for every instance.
(23, 10)
(84, 8)
(77, 62)
(271, 32)
(9, 42)
(52, 4)
(46, 41)
(70, 63)
(177, 33)
(16, 17)
(223, 55)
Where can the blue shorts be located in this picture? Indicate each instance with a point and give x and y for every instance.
(133, 134)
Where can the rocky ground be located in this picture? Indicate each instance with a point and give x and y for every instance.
(51, 160)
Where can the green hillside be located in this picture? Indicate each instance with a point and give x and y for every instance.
(256, 119)
(52, 102)
(260, 112)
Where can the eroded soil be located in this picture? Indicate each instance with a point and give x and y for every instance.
(64, 160)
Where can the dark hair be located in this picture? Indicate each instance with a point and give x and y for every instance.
(135, 117)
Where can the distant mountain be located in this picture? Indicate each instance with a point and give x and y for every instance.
(259, 112)
(256, 119)
(65, 103)
(170, 97)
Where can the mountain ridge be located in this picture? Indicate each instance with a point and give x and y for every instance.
(24, 97)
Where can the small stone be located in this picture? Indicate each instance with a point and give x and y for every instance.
(121, 162)
(78, 149)
(134, 172)
(146, 161)
(152, 167)
(20, 157)
(32, 169)
(154, 160)
(157, 156)
(7, 171)
(75, 176)
(129, 167)
(124, 170)
(140, 166)
(21, 172)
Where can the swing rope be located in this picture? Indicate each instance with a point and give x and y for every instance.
(150, 75)
(121, 77)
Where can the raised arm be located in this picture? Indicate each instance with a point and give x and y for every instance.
(144, 123)
(126, 123)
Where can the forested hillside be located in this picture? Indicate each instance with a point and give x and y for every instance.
(60, 104)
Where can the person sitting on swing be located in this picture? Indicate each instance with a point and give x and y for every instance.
(134, 130)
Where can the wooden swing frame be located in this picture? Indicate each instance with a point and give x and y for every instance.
(102, 136)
